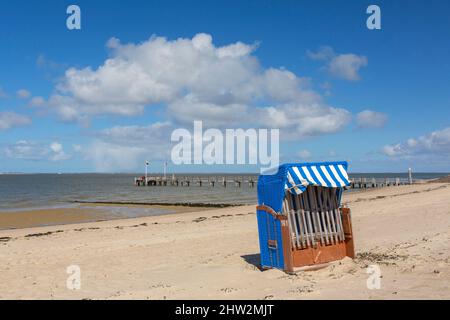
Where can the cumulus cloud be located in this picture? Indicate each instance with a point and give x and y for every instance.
(57, 152)
(436, 143)
(371, 119)
(346, 66)
(32, 150)
(9, 120)
(343, 66)
(195, 80)
(23, 94)
(126, 147)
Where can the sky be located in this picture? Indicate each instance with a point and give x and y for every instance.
(107, 97)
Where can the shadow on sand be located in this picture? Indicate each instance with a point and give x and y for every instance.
(253, 259)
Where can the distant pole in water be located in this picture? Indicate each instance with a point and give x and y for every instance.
(146, 166)
(410, 175)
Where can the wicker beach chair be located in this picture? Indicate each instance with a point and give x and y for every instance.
(300, 218)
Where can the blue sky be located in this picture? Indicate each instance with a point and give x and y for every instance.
(390, 86)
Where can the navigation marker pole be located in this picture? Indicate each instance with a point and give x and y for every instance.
(146, 166)
(165, 169)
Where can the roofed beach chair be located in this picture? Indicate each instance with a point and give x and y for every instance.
(300, 218)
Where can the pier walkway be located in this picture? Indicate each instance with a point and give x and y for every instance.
(251, 181)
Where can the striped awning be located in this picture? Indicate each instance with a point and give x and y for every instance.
(326, 175)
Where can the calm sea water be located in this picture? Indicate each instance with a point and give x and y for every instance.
(33, 191)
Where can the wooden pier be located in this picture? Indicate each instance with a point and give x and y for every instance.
(364, 183)
(190, 181)
(252, 180)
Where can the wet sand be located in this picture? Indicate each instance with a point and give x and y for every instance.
(46, 217)
(214, 254)
(84, 212)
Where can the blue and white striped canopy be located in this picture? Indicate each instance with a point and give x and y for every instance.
(296, 177)
(324, 175)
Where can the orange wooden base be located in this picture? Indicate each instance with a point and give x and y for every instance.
(294, 258)
(319, 254)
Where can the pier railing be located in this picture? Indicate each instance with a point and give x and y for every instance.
(200, 181)
(363, 183)
(251, 181)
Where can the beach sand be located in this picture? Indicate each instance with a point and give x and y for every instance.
(214, 254)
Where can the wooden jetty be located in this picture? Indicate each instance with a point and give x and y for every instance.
(190, 181)
(251, 181)
(364, 183)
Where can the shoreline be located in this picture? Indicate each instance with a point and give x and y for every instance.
(97, 211)
(168, 204)
(80, 211)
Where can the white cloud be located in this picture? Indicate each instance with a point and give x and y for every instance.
(9, 120)
(126, 147)
(31, 150)
(57, 152)
(188, 109)
(108, 157)
(196, 80)
(23, 94)
(303, 120)
(435, 144)
(56, 147)
(371, 119)
(27, 150)
(324, 53)
(304, 154)
(44, 63)
(37, 102)
(392, 150)
(343, 66)
(77, 148)
(346, 66)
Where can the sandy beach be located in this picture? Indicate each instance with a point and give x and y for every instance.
(214, 254)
